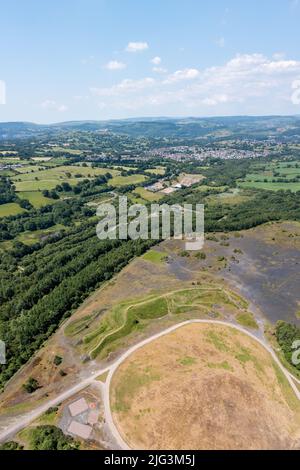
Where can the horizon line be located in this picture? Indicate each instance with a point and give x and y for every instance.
(153, 118)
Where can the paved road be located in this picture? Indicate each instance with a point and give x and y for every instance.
(25, 420)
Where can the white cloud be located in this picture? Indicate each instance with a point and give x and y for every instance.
(124, 87)
(51, 104)
(137, 46)
(156, 60)
(159, 70)
(180, 75)
(115, 65)
(246, 84)
(214, 100)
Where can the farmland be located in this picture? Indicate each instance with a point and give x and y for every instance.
(127, 180)
(148, 195)
(50, 178)
(156, 171)
(63, 172)
(10, 209)
(274, 176)
(35, 198)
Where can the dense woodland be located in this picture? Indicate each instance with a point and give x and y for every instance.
(42, 289)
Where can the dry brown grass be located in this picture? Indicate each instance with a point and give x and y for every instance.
(204, 387)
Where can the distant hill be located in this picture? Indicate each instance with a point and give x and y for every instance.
(243, 127)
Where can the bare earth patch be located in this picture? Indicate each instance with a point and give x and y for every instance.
(204, 386)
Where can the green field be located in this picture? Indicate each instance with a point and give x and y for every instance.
(51, 177)
(126, 168)
(126, 180)
(294, 187)
(236, 196)
(30, 238)
(7, 173)
(128, 316)
(36, 198)
(28, 186)
(41, 159)
(247, 320)
(159, 170)
(63, 172)
(58, 149)
(204, 187)
(10, 209)
(29, 169)
(54, 162)
(154, 256)
(148, 195)
(270, 176)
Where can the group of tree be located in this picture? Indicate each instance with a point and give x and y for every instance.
(44, 287)
(288, 337)
(51, 438)
(7, 192)
(45, 438)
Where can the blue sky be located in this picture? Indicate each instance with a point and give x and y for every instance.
(101, 59)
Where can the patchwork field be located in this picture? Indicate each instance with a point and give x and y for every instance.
(148, 195)
(127, 180)
(29, 169)
(10, 208)
(236, 196)
(36, 198)
(41, 159)
(67, 150)
(51, 177)
(156, 171)
(294, 187)
(204, 386)
(274, 176)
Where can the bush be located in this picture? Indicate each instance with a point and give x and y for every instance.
(286, 335)
(31, 385)
(51, 438)
(53, 409)
(57, 360)
(11, 445)
(184, 254)
(200, 255)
